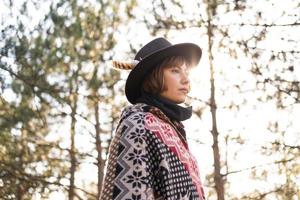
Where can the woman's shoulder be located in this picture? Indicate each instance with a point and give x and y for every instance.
(132, 121)
(135, 112)
(139, 114)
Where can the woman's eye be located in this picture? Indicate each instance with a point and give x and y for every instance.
(175, 70)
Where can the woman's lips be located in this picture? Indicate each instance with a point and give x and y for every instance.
(184, 90)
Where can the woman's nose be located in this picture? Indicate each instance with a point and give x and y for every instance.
(185, 78)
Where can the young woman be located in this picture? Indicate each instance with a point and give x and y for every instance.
(149, 156)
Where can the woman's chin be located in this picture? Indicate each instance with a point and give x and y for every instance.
(179, 100)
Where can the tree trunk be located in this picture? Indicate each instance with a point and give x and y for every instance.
(218, 179)
(73, 104)
(20, 190)
(100, 163)
(72, 156)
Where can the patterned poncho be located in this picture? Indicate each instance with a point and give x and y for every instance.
(149, 159)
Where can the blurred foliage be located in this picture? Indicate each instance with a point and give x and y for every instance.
(55, 72)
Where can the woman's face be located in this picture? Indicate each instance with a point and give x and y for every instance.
(176, 82)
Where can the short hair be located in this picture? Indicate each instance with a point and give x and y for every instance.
(154, 82)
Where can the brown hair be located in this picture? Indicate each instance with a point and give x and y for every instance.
(154, 82)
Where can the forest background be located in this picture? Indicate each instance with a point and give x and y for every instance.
(60, 99)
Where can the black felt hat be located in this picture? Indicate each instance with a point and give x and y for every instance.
(148, 57)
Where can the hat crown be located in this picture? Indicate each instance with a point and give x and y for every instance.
(150, 48)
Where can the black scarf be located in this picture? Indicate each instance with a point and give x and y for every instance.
(172, 110)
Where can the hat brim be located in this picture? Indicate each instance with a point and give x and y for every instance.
(190, 51)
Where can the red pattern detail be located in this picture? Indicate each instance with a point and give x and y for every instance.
(168, 135)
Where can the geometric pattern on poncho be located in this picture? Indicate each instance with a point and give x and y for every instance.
(145, 164)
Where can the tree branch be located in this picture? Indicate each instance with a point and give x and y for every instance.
(258, 166)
